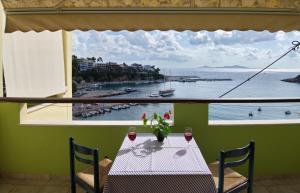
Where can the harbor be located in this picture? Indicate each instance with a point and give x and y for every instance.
(89, 110)
(199, 89)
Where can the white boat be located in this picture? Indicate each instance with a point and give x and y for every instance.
(107, 110)
(128, 90)
(166, 92)
(116, 108)
(154, 95)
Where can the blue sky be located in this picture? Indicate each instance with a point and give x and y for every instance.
(172, 49)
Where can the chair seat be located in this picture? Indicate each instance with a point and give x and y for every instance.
(231, 177)
(87, 175)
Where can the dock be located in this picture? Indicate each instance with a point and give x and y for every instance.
(194, 79)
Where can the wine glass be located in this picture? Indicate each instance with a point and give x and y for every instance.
(131, 134)
(188, 134)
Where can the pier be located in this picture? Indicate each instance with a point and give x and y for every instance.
(194, 79)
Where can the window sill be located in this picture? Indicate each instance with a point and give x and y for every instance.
(86, 123)
(253, 122)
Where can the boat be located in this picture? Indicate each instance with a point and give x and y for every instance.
(288, 112)
(115, 108)
(130, 90)
(166, 92)
(107, 110)
(154, 95)
(95, 86)
(83, 115)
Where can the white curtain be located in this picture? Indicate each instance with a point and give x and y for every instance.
(33, 64)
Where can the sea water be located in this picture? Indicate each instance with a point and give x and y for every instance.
(266, 85)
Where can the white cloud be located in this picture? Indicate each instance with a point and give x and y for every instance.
(280, 36)
(185, 48)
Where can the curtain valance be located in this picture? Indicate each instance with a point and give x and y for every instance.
(53, 15)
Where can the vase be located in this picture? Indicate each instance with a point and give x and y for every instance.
(160, 137)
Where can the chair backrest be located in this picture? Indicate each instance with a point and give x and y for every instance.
(75, 154)
(247, 153)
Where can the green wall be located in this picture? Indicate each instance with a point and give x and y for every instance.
(44, 149)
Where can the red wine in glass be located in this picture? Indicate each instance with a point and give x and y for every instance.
(188, 136)
(132, 135)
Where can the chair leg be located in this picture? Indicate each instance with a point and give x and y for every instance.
(249, 189)
(73, 187)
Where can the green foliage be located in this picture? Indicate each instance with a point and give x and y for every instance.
(75, 66)
(158, 124)
(108, 73)
(74, 86)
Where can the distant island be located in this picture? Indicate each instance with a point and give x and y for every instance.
(292, 80)
(233, 66)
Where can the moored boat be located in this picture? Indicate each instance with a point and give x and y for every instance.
(154, 95)
(166, 92)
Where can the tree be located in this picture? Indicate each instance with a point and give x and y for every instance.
(99, 59)
(75, 66)
(74, 86)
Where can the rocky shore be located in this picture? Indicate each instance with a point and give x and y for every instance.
(292, 80)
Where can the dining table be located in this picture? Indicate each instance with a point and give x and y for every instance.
(148, 166)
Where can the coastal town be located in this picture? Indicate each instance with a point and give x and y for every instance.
(90, 75)
(94, 78)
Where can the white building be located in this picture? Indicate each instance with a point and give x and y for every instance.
(137, 66)
(149, 67)
(86, 64)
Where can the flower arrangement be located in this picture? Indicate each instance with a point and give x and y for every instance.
(158, 124)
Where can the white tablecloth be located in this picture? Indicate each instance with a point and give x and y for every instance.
(150, 167)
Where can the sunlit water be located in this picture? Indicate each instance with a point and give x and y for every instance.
(266, 85)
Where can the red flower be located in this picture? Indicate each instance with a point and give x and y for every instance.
(144, 116)
(166, 116)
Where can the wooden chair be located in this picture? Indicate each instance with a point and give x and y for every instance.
(226, 179)
(92, 179)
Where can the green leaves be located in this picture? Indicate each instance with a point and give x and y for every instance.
(158, 125)
(155, 115)
(145, 122)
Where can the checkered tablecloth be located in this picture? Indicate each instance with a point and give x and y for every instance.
(148, 166)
